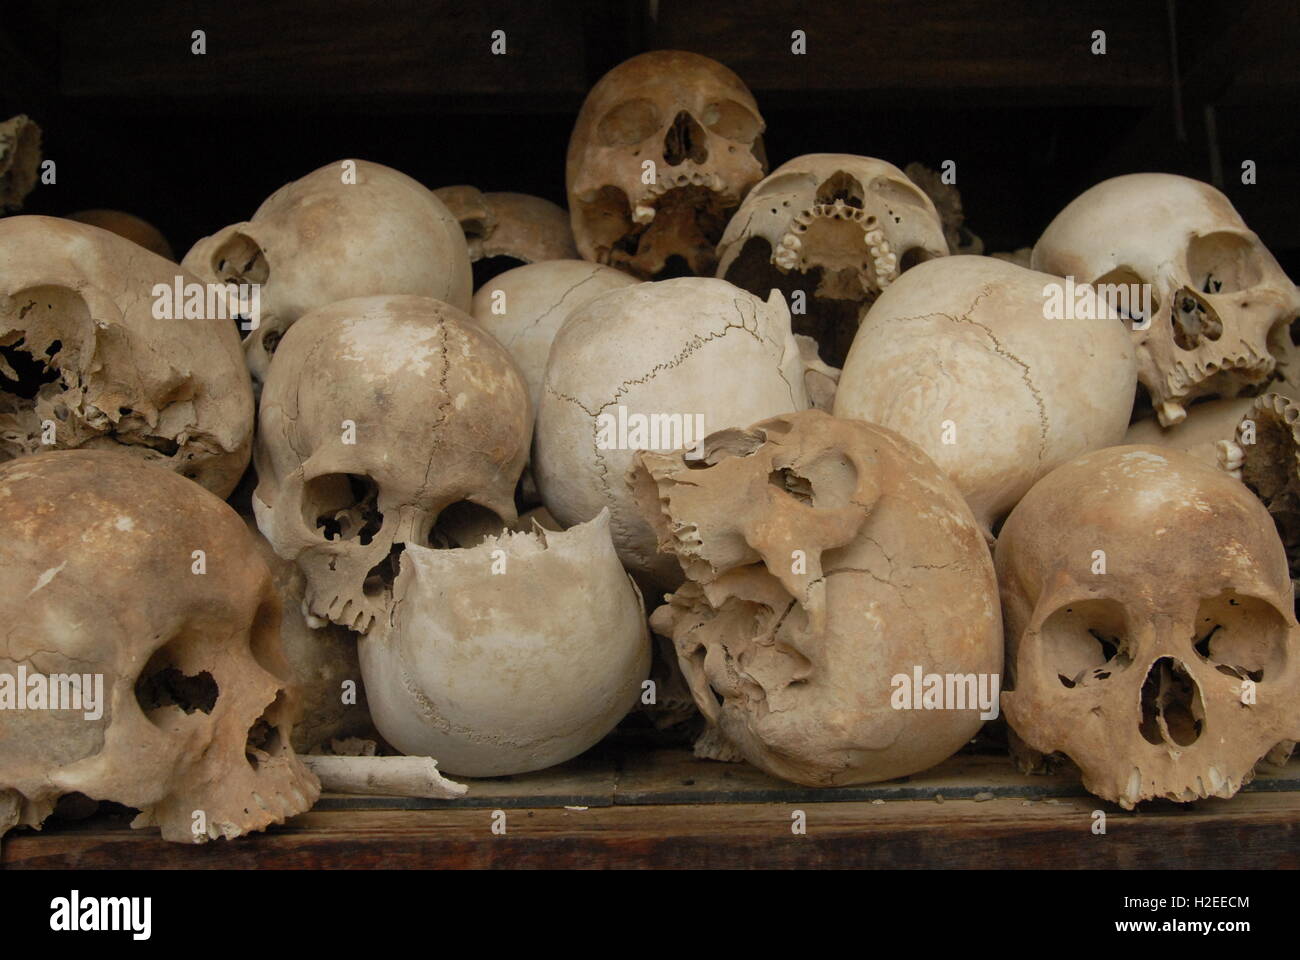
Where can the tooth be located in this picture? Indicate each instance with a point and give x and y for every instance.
(791, 241)
(875, 238)
(1231, 456)
(643, 213)
(1170, 413)
(884, 246)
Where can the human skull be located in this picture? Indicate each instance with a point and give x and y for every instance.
(513, 225)
(349, 229)
(958, 357)
(20, 159)
(1150, 632)
(666, 146)
(525, 307)
(654, 366)
(322, 663)
(86, 360)
(378, 414)
(826, 558)
(127, 225)
(1263, 451)
(1218, 297)
(509, 656)
(837, 227)
(115, 568)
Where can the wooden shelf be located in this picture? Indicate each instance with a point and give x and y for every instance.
(664, 808)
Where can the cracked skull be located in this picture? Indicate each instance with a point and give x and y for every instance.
(837, 227)
(117, 569)
(958, 357)
(86, 360)
(666, 146)
(349, 229)
(655, 366)
(379, 415)
(825, 558)
(1150, 632)
(1218, 298)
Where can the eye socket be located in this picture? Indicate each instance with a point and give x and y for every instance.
(1243, 637)
(343, 506)
(629, 123)
(732, 120)
(1222, 263)
(1086, 642)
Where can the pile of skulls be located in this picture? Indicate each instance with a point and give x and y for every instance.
(405, 517)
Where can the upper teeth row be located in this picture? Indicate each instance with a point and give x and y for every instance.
(884, 261)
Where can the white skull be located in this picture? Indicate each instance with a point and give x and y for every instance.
(1218, 297)
(513, 225)
(826, 557)
(513, 655)
(1150, 632)
(525, 307)
(86, 360)
(837, 227)
(655, 366)
(98, 555)
(378, 414)
(666, 146)
(958, 357)
(350, 229)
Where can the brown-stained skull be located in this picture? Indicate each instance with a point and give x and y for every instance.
(665, 148)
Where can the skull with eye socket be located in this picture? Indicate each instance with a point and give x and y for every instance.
(381, 417)
(1150, 631)
(666, 146)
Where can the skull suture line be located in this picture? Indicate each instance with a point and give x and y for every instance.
(837, 227)
(98, 577)
(379, 414)
(688, 126)
(1150, 631)
(1218, 297)
(825, 557)
(341, 231)
(86, 362)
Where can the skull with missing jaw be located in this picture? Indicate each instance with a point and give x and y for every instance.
(98, 562)
(666, 146)
(1219, 301)
(839, 228)
(1150, 630)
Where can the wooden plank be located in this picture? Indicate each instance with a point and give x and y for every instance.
(1260, 831)
(885, 52)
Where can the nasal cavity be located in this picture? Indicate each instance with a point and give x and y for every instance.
(1172, 710)
(380, 577)
(686, 140)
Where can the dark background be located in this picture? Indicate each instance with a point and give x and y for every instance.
(1006, 88)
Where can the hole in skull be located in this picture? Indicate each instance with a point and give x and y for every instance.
(685, 140)
(1193, 320)
(464, 524)
(22, 374)
(240, 260)
(1085, 642)
(271, 340)
(732, 121)
(1124, 291)
(1222, 263)
(840, 186)
(1172, 710)
(343, 506)
(380, 577)
(798, 487)
(264, 738)
(1241, 636)
(628, 123)
(162, 685)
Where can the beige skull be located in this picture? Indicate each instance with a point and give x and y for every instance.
(1218, 298)
(655, 366)
(349, 229)
(511, 655)
(958, 357)
(666, 146)
(838, 228)
(1150, 632)
(86, 360)
(99, 575)
(20, 158)
(826, 557)
(513, 225)
(378, 414)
